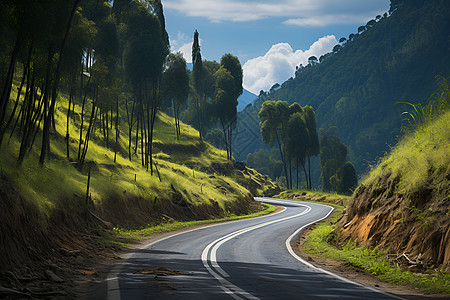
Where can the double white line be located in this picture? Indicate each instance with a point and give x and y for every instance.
(209, 257)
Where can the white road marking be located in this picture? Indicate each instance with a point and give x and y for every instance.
(291, 251)
(211, 256)
(113, 288)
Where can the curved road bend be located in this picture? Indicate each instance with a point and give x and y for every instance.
(247, 259)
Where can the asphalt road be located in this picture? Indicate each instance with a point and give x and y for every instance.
(248, 259)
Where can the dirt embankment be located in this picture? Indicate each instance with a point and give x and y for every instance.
(414, 227)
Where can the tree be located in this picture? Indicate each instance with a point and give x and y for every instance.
(371, 23)
(47, 116)
(144, 57)
(197, 76)
(337, 174)
(312, 60)
(348, 179)
(273, 115)
(228, 88)
(175, 85)
(337, 48)
(309, 117)
(296, 142)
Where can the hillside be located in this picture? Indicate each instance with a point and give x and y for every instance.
(59, 207)
(356, 88)
(403, 206)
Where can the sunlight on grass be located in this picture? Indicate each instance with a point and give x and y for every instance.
(61, 181)
(420, 154)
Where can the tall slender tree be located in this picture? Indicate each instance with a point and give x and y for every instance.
(197, 79)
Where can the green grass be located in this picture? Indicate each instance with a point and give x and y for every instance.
(371, 261)
(61, 185)
(125, 237)
(421, 154)
(332, 199)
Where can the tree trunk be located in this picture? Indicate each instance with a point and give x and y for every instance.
(67, 127)
(92, 120)
(45, 133)
(8, 85)
(282, 159)
(26, 69)
(309, 172)
(306, 175)
(116, 147)
(82, 119)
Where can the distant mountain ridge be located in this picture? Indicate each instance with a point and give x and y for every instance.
(393, 58)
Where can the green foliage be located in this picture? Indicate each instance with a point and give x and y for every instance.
(437, 104)
(293, 128)
(337, 174)
(266, 162)
(348, 179)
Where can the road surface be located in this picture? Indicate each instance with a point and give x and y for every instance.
(247, 259)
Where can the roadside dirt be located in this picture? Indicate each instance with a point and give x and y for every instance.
(348, 271)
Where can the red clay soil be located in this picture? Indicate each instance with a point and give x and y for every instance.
(415, 226)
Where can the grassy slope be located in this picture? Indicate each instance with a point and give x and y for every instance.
(36, 199)
(403, 206)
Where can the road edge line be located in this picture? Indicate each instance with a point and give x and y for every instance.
(291, 251)
(112, 280)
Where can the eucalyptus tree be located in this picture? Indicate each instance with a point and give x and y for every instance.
(293, 129)
(106, 53)
(273, 116)
(296, 143)
(145, 54)
(228, 88)
(175, 85)
(82, 36)
(49, 114)
(309, 117)
(223, 104)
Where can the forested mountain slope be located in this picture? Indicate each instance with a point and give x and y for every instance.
(356, 88)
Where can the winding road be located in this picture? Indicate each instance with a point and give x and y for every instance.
(247, 259)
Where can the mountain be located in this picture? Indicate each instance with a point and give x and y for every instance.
(246, 98)
(357, 87)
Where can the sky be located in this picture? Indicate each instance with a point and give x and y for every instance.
(270, 38)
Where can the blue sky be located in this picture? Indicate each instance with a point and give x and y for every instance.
(270, 38)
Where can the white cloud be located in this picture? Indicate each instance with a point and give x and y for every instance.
(305, 12)
(325, 20)
(186, 49)
(279, 63)
(183, 43)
